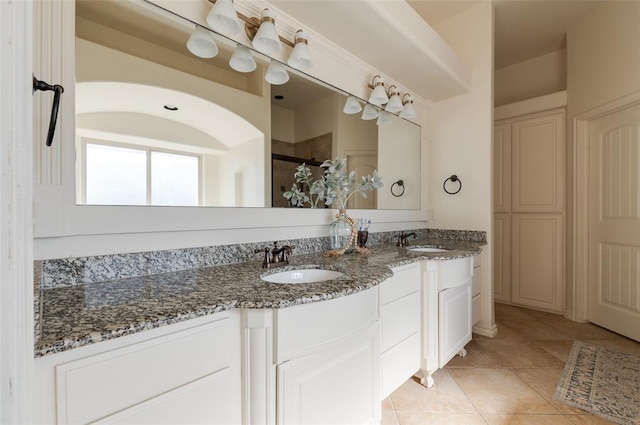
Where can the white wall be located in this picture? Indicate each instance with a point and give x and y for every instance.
(283, 124)
(461, 142)
(535, 77)
(603, 64)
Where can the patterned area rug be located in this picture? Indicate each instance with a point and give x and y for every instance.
(602, 381)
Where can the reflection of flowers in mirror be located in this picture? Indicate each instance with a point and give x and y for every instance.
(335, 186)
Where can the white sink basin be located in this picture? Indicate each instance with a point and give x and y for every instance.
(301, 276)
(428, 249)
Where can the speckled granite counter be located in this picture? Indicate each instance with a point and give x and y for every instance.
(73, 316)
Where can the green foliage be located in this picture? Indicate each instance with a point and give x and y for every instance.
(334, 187)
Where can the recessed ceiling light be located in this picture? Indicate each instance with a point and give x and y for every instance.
(278, 97)
(170, 107)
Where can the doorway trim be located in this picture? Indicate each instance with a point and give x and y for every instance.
(580, 281)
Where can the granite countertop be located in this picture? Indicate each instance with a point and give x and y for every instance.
(75, 316)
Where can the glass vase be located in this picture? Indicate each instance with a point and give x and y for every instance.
(339, 233)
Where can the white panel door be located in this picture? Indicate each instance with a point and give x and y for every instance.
(502, 257)
(614, 221)
(502, 167)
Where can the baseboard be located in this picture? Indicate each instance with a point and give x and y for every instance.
(484, 329)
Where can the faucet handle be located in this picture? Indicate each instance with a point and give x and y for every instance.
(266, 261)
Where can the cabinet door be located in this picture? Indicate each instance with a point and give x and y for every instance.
(502, 257)
(537, 148)
(454, 306)
(537, 273)
(339, 385)
(502, 167)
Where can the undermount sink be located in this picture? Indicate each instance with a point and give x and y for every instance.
(428, 249)
(301, 276)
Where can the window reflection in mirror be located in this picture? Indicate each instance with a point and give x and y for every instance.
(139, 89)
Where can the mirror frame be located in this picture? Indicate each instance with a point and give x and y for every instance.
(56, 213)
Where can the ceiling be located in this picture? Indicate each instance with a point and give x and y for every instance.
(524, 29)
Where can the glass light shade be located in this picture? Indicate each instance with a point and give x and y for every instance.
(379, 95)
(384, 118)
(408, 111)
(266, 39)
(352, 106)
(276, 73)
(370, 112)
(202, 44)
(242, 60)
(300, 57)
(395, 103)
(223, 18)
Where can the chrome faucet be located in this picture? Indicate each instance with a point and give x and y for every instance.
(402, 239)
(275, 256)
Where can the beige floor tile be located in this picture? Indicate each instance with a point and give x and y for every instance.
(443, 396)
(500, 391)
(412, 418)
(558, 348)
(517, 352)
(541, 330)
(576, 330)
(505, 311)
(545, 381)
(476, 356)
(389, 418)
(588, 420)
(387, 404)
(619, 343)
(516, 419)
(504, 332)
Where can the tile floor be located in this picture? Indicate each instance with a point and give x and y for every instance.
(506, 380)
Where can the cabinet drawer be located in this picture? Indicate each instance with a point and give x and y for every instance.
(475, 309)
(403, 282)
(400, 319)
(400, 363)
(454, 273)
(97, 386)
(303, 328)
(476, 282)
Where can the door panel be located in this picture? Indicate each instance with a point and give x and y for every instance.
(537, 273)
(502, 168)
(538, 164)
(614, 221)
(502, 257)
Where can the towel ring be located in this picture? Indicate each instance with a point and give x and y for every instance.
(454, 179)
(399, 183)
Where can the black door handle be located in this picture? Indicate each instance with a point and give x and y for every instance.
(57, 91)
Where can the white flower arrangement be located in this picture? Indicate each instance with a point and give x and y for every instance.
(334, 186)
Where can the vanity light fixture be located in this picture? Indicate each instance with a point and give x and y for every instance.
(276, 73)
(379, 95)
(408, 111)
(223, 18)
(266, 39)
(300, 57)
(242, 60)
(395, 103)
(370, 112)
(202, 44)
(352, 105)
(383, 118)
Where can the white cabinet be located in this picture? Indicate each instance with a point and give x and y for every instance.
(400, 327)
(185, 373)
(529, 206)
(446, 312)
(476, 290)
(328, 361)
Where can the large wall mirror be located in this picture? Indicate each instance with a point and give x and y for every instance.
(157, 125)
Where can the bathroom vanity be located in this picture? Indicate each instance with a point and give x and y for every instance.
(239, 349)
